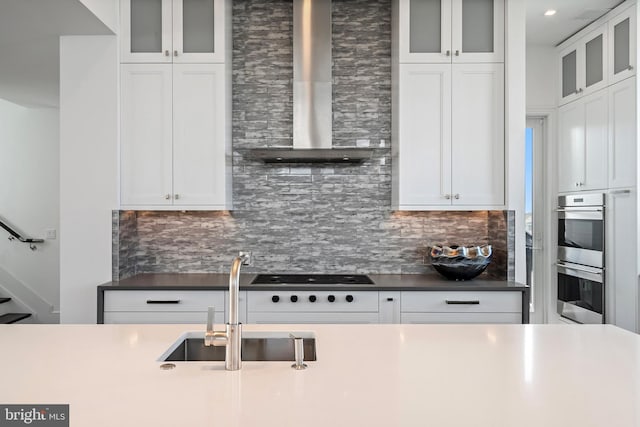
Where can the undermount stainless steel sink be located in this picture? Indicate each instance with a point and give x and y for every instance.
(256, 347)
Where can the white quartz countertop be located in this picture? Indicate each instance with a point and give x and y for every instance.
(365, 375)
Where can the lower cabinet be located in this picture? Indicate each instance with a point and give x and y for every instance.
(163, 306)
(315, 306)
(461, 307)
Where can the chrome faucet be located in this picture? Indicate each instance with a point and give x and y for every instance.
(231, 337)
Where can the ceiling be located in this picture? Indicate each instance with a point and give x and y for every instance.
(571, 16)
(30, 33)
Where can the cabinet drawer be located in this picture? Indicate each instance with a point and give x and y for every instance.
(163, 301)
(199, 317)
(461, 318)
(461, 302)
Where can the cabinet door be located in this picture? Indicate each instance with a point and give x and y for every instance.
(571, 73)
(424, 31)
(622, 45)
(621, 285)
(145, 143)
(596, 136)
(199, 134)
(424, 121)
(595, 60)
(477, 31)
(571, 146)
(145, 31)
(477, 135)
(198, 31)
(622, 134)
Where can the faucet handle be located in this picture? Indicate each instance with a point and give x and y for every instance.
(209, 334)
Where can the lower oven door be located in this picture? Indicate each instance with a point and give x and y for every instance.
(580, 293)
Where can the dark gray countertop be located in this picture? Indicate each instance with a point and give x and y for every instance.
(382, 282)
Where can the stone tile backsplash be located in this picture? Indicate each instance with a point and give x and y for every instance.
(304, 218)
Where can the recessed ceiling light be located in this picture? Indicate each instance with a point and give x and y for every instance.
(550, 12)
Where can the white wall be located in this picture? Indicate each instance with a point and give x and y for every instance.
(105, 10)
(29, 192)
(542, 77)
(88, 170)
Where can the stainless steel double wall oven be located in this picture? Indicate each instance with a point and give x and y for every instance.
(581, 256)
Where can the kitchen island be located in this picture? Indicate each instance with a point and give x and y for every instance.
(365, 375)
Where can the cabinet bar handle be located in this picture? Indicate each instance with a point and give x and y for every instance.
(621, 192)
(457, 53)
(175, 53)
(448, 53)
(166, 53)
(389, 299)
(454, 302)
(160, 301)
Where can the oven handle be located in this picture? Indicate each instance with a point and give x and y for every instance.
(559, 209)
(586, 270)
(595, 275)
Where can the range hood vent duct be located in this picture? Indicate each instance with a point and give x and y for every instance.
(312, 88)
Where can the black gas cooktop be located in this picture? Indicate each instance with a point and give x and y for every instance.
(312, 279)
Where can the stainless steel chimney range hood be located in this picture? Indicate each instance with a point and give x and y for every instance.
(312, 87)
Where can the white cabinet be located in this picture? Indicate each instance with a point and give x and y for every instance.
(622, 134)
(389, 307)
(174, 136)
(583, 65)
(621, 284)
(461, 307)
(315, 306)
(450, 125)
(445, 31)
(622, 45)
(171, 306)
(188, 31)
(582, 144)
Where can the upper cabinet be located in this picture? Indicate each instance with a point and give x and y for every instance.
(602, 55)
(445, 31)
(583, 65)
(179, 31)
(622, 48)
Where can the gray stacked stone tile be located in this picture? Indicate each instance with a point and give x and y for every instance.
(306, 218)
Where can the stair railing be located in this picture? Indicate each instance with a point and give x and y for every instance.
(15, 235)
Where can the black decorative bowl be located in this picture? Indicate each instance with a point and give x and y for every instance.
(460, 263)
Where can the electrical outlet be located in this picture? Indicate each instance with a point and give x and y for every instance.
(51, 234)
(249, 259)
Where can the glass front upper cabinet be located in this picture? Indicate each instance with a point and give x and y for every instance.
(583, 65)
(445, 31)
(622, 52)
(156, 31)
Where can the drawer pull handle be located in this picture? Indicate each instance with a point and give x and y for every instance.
(163, 301)
(454, 302)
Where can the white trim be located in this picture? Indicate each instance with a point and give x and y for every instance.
(550, 216)
(515, 114)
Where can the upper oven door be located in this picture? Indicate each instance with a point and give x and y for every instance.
(581, 235)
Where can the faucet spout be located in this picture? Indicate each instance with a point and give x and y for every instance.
(231, 337)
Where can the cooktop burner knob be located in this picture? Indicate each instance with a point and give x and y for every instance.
(294, 298)
(275, 298)
(312, 298)
(349, 298)
(331, 298)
